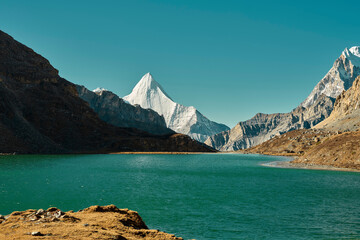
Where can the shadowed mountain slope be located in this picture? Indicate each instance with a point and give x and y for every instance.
(114, 110)
(40, 112)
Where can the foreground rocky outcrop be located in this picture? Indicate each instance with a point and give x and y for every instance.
(315, 108)
(40, 112)
(96, 222)
(114, 110)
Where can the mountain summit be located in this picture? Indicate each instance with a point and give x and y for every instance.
(148, 83)
(149, 94)
(339, 78)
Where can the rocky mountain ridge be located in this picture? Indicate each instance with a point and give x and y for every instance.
(334, 142)
(263, 127)
(182, 119)
(114, 110)
(316, 107)
(339, 78)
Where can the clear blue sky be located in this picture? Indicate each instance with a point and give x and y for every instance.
(229, 59)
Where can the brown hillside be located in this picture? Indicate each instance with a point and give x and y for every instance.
(341, 150)
(294, 143)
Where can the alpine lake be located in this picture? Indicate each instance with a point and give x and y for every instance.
(194, 196)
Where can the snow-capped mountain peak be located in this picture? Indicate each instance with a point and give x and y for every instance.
(99, 90)
(148, 84)
(149, 94)
(148, 80)
(340, 77)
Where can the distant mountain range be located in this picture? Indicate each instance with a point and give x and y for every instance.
(187, 120)
(316, 107)
(40, 112)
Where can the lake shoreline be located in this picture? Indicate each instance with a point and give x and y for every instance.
(105, 153)
(289, 164)
(178, 194)
(276, 164)
(164, 153)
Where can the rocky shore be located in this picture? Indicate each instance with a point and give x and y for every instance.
(314, 149)
(333, 143)
(95, 222)
(310, 166)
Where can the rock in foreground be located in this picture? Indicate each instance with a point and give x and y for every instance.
(96, 222)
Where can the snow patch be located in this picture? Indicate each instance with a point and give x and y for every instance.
(99, 90)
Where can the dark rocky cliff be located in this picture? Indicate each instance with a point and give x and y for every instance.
(114, 110)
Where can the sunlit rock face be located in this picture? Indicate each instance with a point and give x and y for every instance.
(340, 77)
(263, 127)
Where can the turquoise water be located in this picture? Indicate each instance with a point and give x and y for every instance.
(209, 196)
